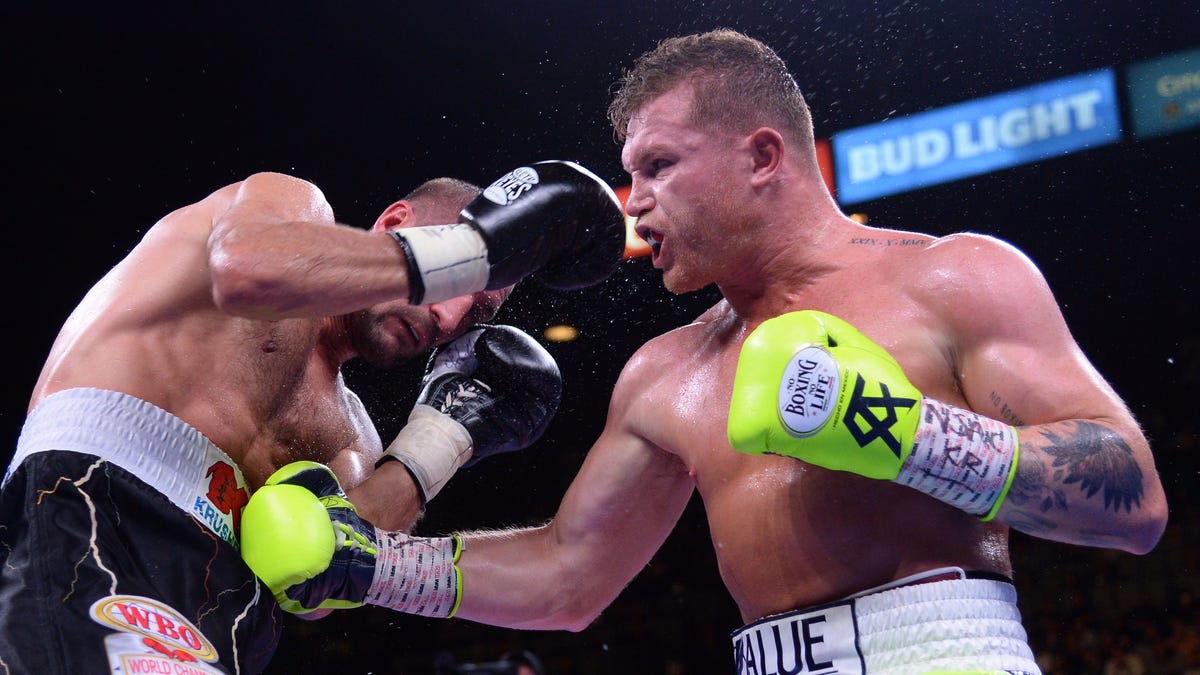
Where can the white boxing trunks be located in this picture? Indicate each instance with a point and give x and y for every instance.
(909, 627)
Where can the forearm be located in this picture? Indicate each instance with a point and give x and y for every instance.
(1083, 482)
(388, 498)
(283, 270)
(522, 579)
(1086, 482)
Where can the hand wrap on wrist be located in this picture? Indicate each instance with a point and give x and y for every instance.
(416, 575)
(962, 458)
(433, 446)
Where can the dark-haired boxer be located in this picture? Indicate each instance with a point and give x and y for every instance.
(860, 465)
(211, 355)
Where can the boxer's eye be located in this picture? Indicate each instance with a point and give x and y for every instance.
(657, 166)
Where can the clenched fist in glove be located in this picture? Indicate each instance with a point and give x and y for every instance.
(306, 541)
(553, 218)
(811, 386)
(492, 390)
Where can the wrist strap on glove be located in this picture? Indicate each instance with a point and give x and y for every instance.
(433, 446)
(444, 261)
(962, 458)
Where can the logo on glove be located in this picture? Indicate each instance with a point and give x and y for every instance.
(460, 396)
(511, 185)
(807, 391)
(860, 407)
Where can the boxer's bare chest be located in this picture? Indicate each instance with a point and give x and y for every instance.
(803, 516)
(303, 410)
(701, 361)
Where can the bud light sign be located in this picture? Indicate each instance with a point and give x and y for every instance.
(1025, 125)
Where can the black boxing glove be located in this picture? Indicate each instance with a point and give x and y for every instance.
(555, 218)
(490, 391)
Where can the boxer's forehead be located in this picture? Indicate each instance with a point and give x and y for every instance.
(663, 122)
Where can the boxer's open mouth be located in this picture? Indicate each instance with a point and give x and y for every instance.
(651, 237)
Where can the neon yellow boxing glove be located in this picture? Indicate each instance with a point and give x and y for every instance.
(811, 386)
(304, 539)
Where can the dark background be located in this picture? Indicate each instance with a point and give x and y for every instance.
(118, 113)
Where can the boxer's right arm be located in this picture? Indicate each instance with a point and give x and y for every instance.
(273, 253)
(1075, 467)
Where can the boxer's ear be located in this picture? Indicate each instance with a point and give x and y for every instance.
(399, 214)
(766, 150)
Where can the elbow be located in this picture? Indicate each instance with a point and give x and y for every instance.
(238, 285)
(577, 604)
(230, 294)
(1146, 532)
(576, 628)
(563, 612)
(579, 616)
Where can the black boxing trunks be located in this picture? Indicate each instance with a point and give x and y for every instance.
(118, 547)
(911, 627)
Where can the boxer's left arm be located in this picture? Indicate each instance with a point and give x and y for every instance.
(306, 541)
(618, 511)
(274, 255)
(1086, 473)
(1075, 466)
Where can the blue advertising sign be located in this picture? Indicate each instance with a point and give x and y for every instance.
(1164, 94)
(966, 139)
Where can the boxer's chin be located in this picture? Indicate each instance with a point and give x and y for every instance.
(383, 340)
(678, 282)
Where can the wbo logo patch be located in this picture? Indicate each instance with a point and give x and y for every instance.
(152, 637)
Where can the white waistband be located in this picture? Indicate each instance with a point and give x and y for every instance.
(145, 440)
(959, 624)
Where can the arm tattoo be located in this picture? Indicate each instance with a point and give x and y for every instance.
(1088, 454)
(1006, 413)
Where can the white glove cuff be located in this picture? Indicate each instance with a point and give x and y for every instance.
(452, 260)
(962, 458)
(433, 446)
